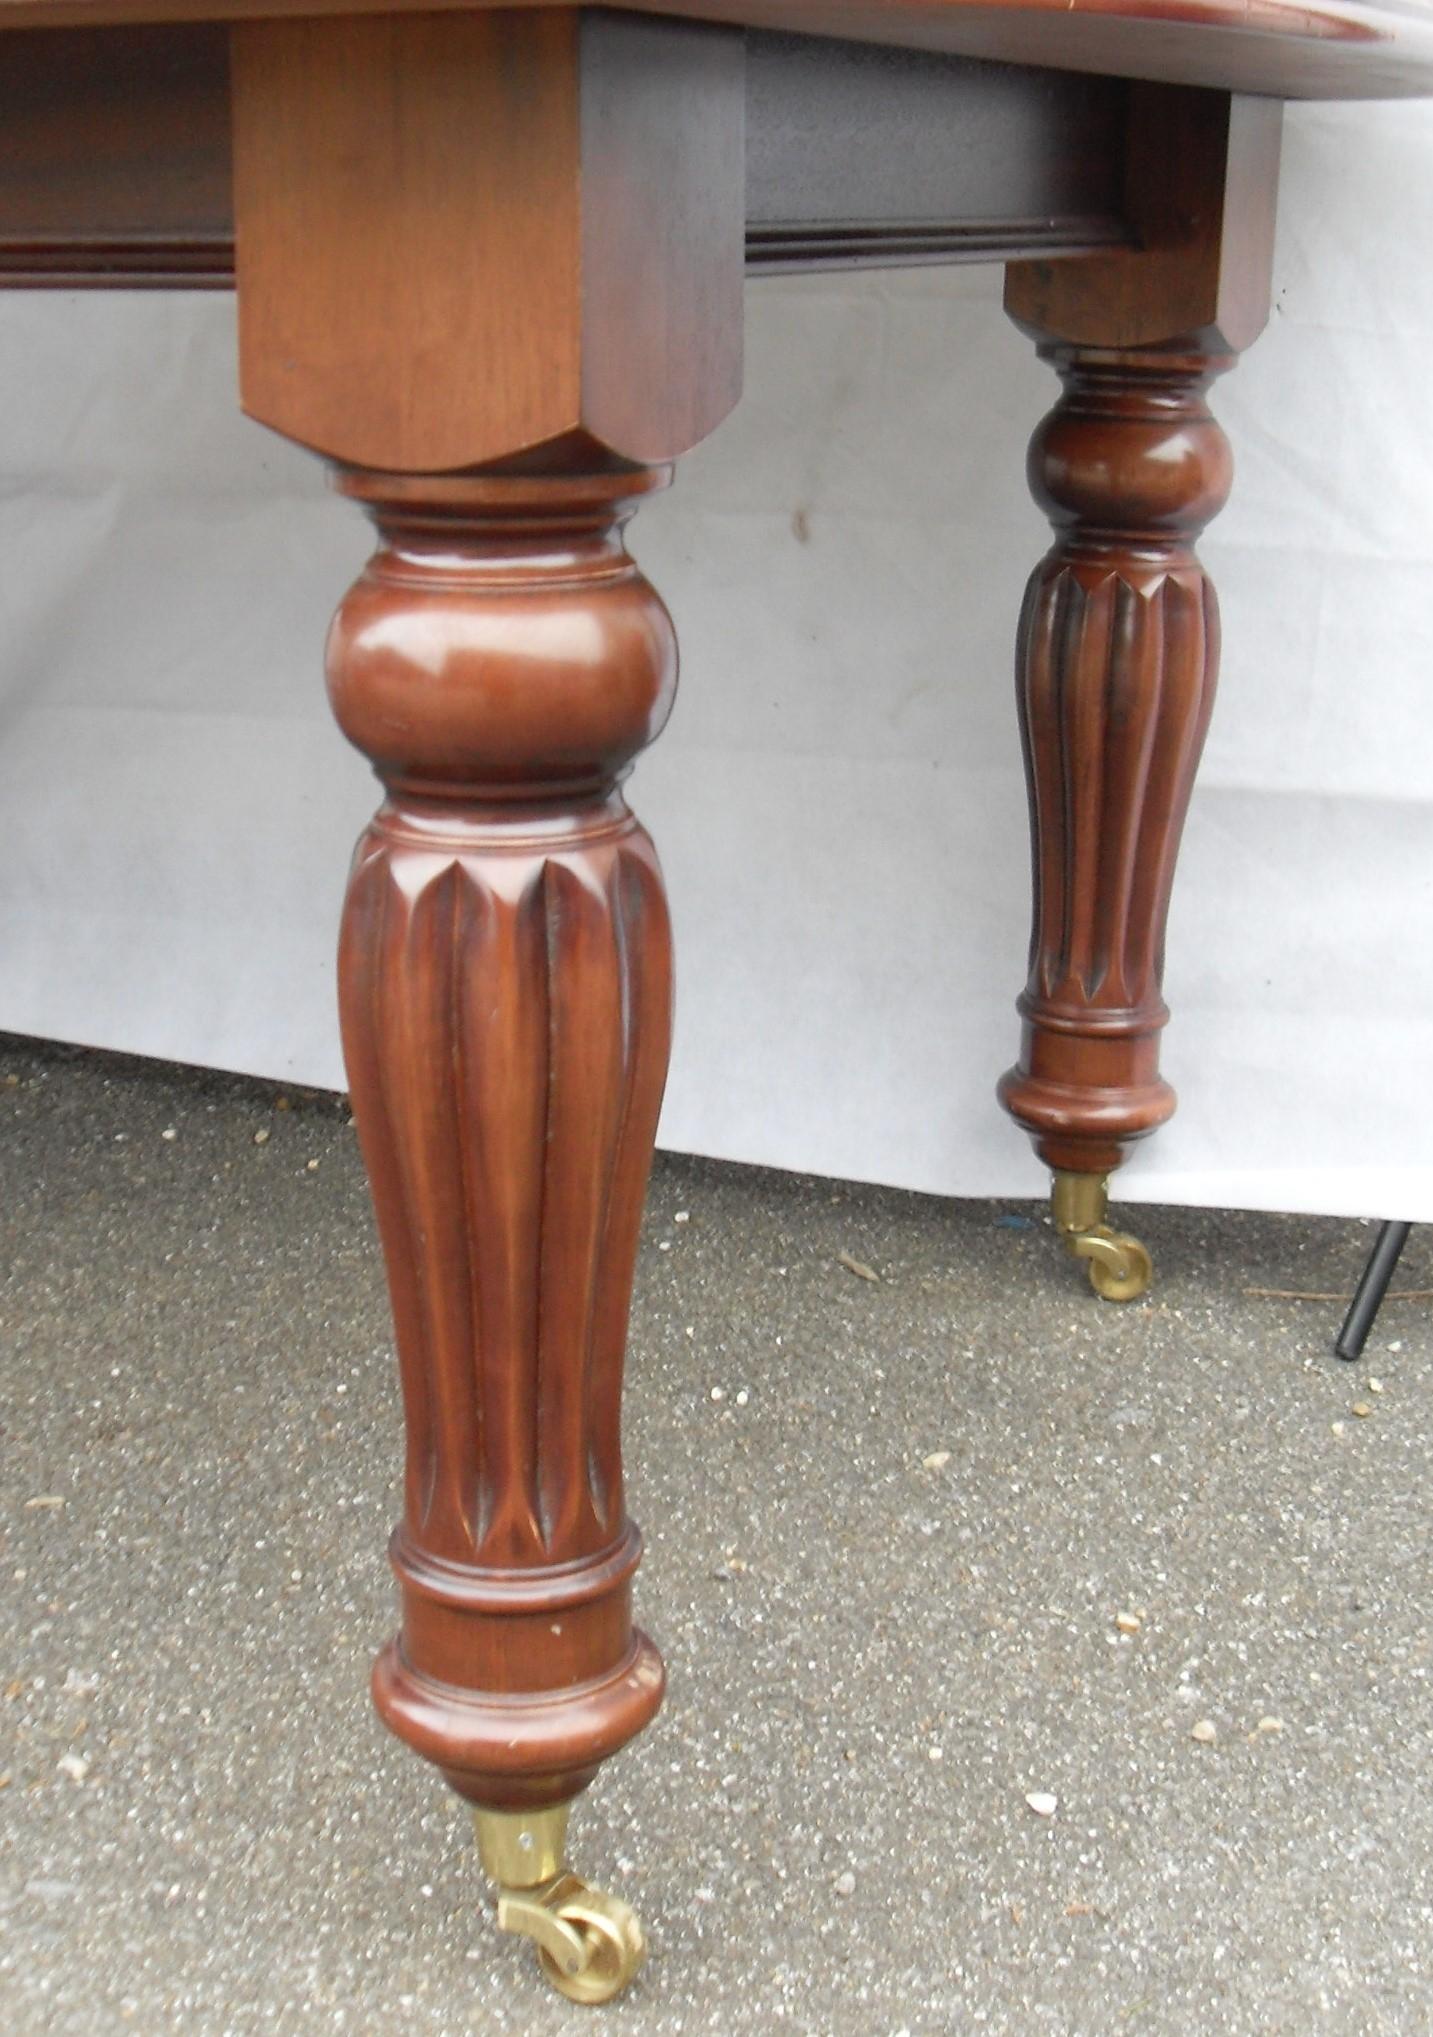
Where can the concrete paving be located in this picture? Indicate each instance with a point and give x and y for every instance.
(893, 1527)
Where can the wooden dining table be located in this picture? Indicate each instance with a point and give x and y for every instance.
(489, 264)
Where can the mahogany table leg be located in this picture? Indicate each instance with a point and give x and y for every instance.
(490, 265)
(1119, 645)
(1119, 638)
(505, 988)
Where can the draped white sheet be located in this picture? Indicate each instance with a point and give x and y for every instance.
(838, 799)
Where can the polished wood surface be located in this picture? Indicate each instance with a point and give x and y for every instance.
(505, 987)
(511, 178)
(1118, 654)
(1292, 48)
(1201, 182)
(489, 263)
(854, 156)
(492, 265)
(1321, 51)
(147, 195)
(857, 154)
(1119, 637)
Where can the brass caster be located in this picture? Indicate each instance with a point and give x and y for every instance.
(1119, 1266)
(589, 1943)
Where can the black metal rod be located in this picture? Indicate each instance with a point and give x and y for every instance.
(1368, 1296)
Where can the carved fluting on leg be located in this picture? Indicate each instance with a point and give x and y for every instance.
(505, 986)
(1116, 671)
(516, 1129)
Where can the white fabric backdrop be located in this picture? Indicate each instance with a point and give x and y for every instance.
(838, 799)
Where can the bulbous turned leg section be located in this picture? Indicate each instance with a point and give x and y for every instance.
(1116, 670)
(505, 993)
(589, 1943)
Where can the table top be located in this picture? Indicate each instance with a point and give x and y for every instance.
(1322, 49)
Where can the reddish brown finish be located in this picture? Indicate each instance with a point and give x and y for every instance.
(1119, 646)
(1119, 637)
(1318, 51)
(491, 261)
(460, 236)
(114, 156)
(505, 985)
(509, 244)
(1201, 182)
(1331, 49)
(853, 156)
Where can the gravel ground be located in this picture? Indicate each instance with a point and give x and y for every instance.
(892, 1530)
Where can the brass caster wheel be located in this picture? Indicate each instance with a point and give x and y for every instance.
(1121, 1270)
(1119, 1266)
(589, 1943)
(611, 1941)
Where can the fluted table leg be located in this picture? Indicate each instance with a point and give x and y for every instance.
(1118, 653)
(1119, 638)
(505, 986)
(490, 266)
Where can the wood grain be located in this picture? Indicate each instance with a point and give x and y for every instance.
(1118, 655)
(1119, 637)
(114, 157)
(1201, 182)
(1329, 49)
(854, 156)
(459, 237)
(505, 989)
(504, 252)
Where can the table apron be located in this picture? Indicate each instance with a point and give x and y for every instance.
(115, 158)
